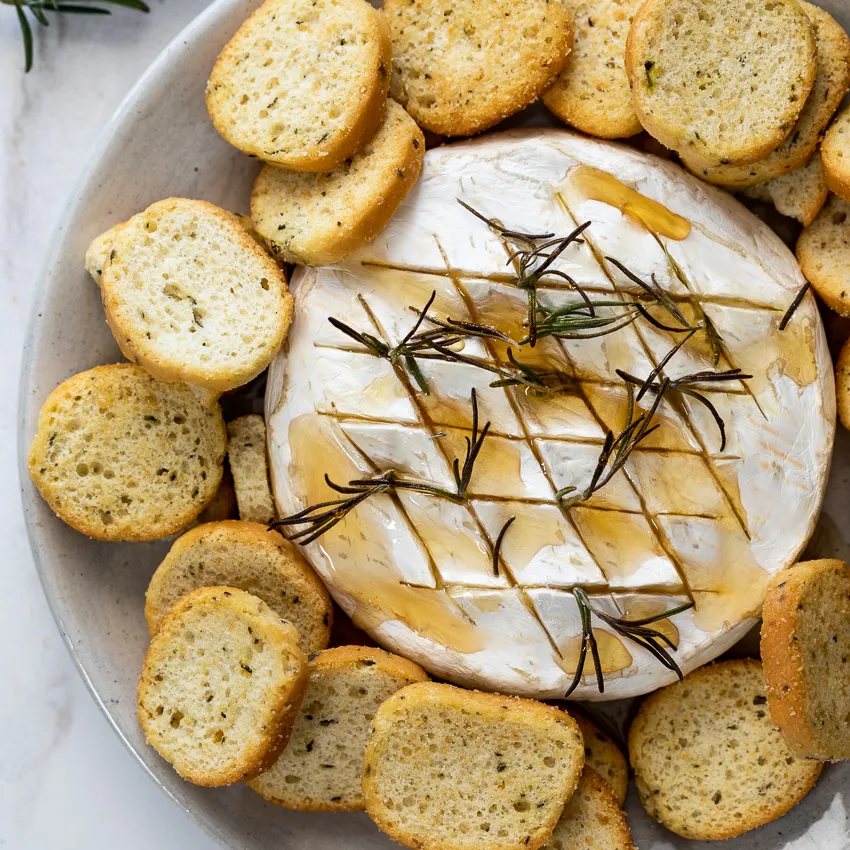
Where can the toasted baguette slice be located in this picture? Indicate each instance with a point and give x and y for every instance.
(316, 219)
(223, 505)
(823, 251)
(190, 296)
(592, 819)
(805, 649)
(119, 456)
(592, 94)
(835, 151)
(831, 83)
(721, 81)
(247, 556)
(604, 756)
(448, 769)
(842, 384)
(460, 73)
(246, 451)
(220, 687)
(97, 254)
(799, 194)
(708, 762)
(321, 767)
(302, 84)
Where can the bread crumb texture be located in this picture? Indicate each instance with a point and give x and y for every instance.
(592, 94)
(246, 451)
(449, 769)
(190, 296)
(97, 254)
(247, 556)
(592, 819)
(805, 647)
(721, 81)
(320, 768)
(842, 384)
(461, 67)
(223, 504)
(799, 194)
(302, 83)
(317, 219)
(823, 251)
(221, 684)
(708, 762)
(604, 757)
(830, 86)
(836, 155)
(120, 456)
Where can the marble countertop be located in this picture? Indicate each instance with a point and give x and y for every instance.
(65, 778)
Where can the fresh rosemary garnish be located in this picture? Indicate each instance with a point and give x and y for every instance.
(37, 9)
(533, 261)
(438, 344)
(497, 548)
(615, 450)
(572, 321)
(635, 630)
(688, 385)
(798, 299)
(323, 516)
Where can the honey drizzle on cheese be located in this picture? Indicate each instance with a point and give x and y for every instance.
(597, 185)
(613, 655)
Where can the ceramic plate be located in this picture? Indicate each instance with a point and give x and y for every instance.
(161, 143)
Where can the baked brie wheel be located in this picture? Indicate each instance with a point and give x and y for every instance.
(436, 420)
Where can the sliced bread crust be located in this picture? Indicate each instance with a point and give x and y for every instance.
(805, 649)
(221, 684)
(321, 767)
(119, 456)
(835, 152)
(477, 771)
(842, 384)
(461, 67)
(592, 93)
(604, 757)
(317, 219)
(830, 86)
(708, 762)
(248, 556)
(246, 451)
(722, 81)
(302, 84)
(823, 251)
(592, 819)
(799, 194)
(190, 296)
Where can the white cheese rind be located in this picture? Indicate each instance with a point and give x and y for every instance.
(770, 478)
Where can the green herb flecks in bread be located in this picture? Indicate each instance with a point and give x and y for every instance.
(721, 81)
(799, 194)
(190, 296)
(835, 151)
(221, 684)
(322, 765)
(246, 452)
(823, 251)
(120, 456)
(302, 84)
(316, 219)
(461, 67)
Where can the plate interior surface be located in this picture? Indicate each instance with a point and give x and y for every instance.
(159, 144)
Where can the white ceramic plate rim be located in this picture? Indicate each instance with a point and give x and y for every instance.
(141, 90)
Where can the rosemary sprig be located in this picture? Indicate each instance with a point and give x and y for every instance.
(323, 516)
(688, 385)
(615, 450)
(534, 261)
(497, 548)
(798, 299)
(635, 630)
(37, 9)
(578, 321)
(438, 344)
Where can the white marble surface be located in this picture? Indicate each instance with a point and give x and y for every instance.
(65, 779)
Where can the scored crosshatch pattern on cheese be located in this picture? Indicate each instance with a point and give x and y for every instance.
(629, 540)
